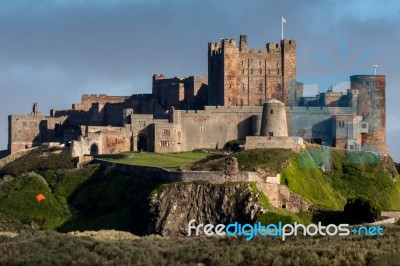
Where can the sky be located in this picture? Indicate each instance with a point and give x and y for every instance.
(52, 52)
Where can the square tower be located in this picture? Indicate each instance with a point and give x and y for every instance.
(241, 76)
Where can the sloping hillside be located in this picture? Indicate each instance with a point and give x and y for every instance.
(351, 174)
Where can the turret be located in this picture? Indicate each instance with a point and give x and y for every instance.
(371, 105)
(273, 121)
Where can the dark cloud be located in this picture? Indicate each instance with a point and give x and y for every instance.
(53, 51)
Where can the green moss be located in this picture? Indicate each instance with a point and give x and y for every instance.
(161, 187)
(264, 200)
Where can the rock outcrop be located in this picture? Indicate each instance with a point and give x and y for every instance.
(174, 205)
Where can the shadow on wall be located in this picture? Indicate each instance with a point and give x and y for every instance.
(322, 132)
(244, 128)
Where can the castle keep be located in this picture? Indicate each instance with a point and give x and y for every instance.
(247, 94)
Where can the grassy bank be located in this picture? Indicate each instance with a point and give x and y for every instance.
(351, 174)
(170, 161)
(50, 248)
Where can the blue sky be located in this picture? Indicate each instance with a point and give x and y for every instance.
(54, 51)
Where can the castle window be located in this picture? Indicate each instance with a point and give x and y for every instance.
(277, 71)
(242, 87)
(341, 124)
(142, 123)
(260, 71)
(271, 111)
(242, 71)
(164, 143)
(278, 88)
(259, 102)
(251, 71)
(269, 71)
(166, 132)
(241, 102)
(260, 87)
(242, 62)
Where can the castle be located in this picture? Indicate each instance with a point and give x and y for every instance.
(247, 94)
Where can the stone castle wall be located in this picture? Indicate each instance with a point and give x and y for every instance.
(27, 131)
(101, 99)
(257, 142)
(214, 126)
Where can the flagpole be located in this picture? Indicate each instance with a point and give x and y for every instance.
(282, 27)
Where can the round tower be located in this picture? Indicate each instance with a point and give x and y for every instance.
(371, 105)
(273, 121)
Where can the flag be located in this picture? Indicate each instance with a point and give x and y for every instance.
(40, 197)
(283, 20)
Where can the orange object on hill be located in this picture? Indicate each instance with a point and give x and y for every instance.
(40, 197)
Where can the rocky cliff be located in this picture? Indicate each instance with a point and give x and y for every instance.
(173, 206)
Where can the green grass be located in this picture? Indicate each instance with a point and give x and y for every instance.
(348, 179)
(40, 159)
(272, 161)
(170, 161)
(18, 200)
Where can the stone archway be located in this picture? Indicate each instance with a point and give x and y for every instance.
(141, 143)
(94, 149)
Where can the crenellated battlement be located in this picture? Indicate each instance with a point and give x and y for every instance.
(89, 99)
(271, 47)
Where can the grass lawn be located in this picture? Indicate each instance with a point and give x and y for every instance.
(170, 161)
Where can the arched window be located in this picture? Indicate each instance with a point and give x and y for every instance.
(242, 87)
(241, 102)
(271, 111)
(260, 87)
